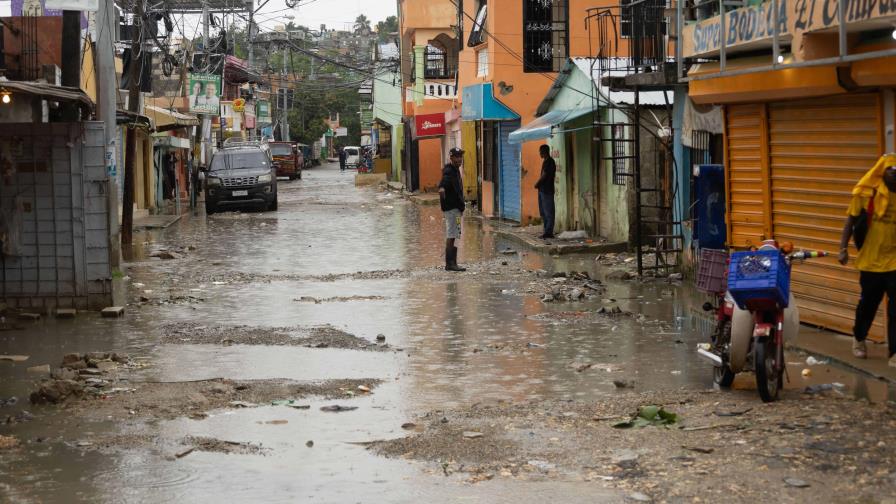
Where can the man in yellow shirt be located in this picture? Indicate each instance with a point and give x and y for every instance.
(876, 261)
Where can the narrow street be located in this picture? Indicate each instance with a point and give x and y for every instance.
(460, 387)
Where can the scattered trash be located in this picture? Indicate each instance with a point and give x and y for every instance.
(573, 235)
(12, 401)
(14, 358)
(796, 483)
(380, 338)
(812, 361)
(823, 387)
(364, 388)
(277, 422)
(336, 408)
(84, 444)
(242, 404)
(649, 415)
(309, 443)
(508, 251)
(582, 367)
(639, 497)
(732, 413)
(807, 373)
(534, 345)
(542, 465)
(184, 453)
(472, 435)
(7, 442)
(699, 449)
(408, 426)
(624, 383)
(291, 403)
(44, 368)
(676, 372)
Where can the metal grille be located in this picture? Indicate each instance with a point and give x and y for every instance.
(240, 181)
(545, 35)
(700, 147)
(436, 66)
(621, 162)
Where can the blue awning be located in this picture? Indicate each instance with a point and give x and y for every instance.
(480, 105)
(541, 127)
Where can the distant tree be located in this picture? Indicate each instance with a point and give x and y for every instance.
(384, 28)
(362, 25)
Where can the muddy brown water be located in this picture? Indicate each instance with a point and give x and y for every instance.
(478, 337)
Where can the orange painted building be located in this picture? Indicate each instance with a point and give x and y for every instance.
(429, 70)
(512, 63)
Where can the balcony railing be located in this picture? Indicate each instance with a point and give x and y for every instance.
(433, 90)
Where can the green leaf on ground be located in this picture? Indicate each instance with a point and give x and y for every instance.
(649, 415)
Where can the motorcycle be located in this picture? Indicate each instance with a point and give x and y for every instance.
(753, 316)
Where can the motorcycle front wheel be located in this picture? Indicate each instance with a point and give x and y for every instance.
(769, 369)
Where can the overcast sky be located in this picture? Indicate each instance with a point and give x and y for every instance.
(339, 14)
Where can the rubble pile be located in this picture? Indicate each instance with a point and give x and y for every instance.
(80, 375)
(569, 287)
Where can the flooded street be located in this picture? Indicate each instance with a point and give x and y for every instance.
(458, 387)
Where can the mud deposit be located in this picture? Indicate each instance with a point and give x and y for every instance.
(310, 337)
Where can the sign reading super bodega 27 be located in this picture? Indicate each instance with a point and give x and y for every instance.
(752, 27)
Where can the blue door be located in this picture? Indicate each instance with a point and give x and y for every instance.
(509, 162)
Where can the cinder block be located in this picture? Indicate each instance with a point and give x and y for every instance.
(113, 311)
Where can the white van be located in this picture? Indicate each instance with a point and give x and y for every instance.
(352, 157)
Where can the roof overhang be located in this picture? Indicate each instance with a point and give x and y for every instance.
(166, 120)
(480, 104)
(543, 126)
(51, 92)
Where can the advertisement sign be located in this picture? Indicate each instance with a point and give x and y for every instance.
(205, 94)
(263, 111)
(429, 125)
(239, 105)
(34, 8)
(341, 132)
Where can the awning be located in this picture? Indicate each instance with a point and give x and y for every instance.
(541, 127)
(50, 92)
(480, 105)
(165, 120)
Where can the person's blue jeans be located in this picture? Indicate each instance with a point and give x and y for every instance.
(546, 209)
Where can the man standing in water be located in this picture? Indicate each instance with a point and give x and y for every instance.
(545, 187)
(451, 196)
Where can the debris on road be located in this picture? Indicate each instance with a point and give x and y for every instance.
(472, 435)
(14, 358)
(647, 416)
(336, 408)
(7, 442)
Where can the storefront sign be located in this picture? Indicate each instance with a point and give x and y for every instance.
(429, 125)
(753, 27)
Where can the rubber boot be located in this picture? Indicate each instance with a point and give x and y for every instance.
(454, 261)
(449, 264)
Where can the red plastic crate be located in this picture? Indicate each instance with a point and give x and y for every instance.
(712, 272)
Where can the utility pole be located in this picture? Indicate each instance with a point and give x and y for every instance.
(251, 38)
(127, 214)
(71, 59)
(107, 105)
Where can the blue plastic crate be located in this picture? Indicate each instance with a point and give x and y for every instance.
(762, 274)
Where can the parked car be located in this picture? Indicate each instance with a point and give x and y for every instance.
(288, 159)
(239, 175)
(352, 157)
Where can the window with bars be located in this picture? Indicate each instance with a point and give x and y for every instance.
(621, 163)
(436, 66)
(545, 35)
(645, 19)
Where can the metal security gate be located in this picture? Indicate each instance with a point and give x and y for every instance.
(509, 161)
(818, 150)
(54, 218)
(745, 158)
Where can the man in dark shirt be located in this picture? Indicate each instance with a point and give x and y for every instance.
(342, 158)
(545, 187)
(451, 197)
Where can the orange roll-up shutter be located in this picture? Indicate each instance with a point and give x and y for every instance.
(743, 170)
(819, 148)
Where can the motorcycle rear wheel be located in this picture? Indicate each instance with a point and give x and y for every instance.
(723, 376)
(766, 359)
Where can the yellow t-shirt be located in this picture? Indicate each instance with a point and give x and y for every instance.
(878, 254)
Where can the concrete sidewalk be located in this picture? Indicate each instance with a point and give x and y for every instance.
(838, 348)
(155, 221)
(528, 236)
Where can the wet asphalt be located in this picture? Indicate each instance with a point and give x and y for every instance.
(471, 338)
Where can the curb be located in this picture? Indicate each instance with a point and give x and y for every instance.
(561, 249)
